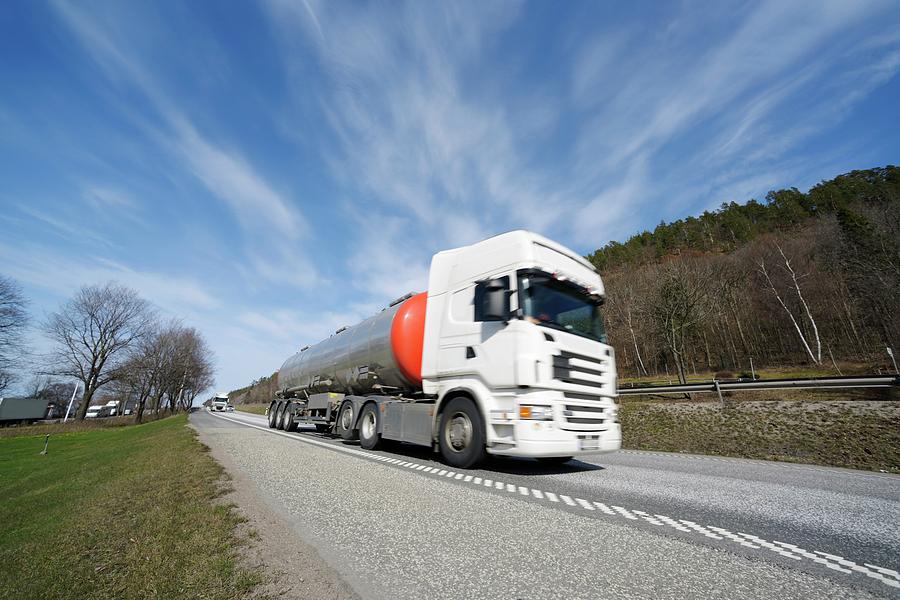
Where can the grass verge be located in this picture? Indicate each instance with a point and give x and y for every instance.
(126, 512)
(854, 434)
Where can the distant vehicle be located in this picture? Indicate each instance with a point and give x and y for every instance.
(100, 411)
(504, 354)
(220, 403)
(22, 411)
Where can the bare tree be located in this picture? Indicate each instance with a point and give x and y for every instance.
(13, 322)
(681, 303)
(92, 333)
(168, 368)
(816, 357)
(624, 305)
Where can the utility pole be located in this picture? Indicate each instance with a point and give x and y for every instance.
(69, 408)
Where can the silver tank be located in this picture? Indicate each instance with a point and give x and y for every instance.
(353, 361)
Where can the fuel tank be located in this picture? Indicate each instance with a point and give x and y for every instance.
(381, 354)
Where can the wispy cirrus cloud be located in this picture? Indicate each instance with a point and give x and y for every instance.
(34, 264)
(225, 172)
(414, 133)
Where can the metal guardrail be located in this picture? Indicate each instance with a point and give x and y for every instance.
(864, 381)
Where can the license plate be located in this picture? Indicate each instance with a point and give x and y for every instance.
(589, 444)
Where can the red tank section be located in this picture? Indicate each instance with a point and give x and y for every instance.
(408, 337)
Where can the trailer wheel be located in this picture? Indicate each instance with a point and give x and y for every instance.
(461, 438)
(289, 423)
(273, 413)
(369, 438)
(279, 423)
(344, 423)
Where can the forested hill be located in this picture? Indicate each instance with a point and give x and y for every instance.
(733, 224)
(801, 279)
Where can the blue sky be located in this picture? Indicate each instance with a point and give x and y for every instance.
(270, 171)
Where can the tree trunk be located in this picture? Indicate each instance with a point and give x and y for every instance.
(85, 403)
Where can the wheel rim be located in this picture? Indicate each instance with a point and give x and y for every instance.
(346, 418)
(458, 432)
(367, 427)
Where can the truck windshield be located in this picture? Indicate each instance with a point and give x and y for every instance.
(559, 305)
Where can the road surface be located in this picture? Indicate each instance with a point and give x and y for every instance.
(397, 523)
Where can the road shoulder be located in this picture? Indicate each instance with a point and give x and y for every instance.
(292, 568)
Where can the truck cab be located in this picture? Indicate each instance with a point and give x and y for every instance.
(220, 402)
(515, 324)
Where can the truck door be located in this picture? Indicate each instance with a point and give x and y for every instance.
(471, 345)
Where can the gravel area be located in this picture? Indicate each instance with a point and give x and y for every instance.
(391, 533)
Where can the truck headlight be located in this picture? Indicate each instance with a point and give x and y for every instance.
(536, 413)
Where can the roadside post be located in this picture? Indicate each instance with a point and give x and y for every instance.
(893, 360)
(69, 408)
(46, 442)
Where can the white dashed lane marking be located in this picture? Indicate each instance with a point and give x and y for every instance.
(835, 563)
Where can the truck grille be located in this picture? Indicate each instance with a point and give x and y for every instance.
(583, 416)
(580, 369)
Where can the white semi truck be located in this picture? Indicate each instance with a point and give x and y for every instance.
(219, 402)
(504, 354)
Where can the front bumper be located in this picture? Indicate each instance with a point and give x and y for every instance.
(540, 439)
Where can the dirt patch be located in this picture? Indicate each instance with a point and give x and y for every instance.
(291, 568)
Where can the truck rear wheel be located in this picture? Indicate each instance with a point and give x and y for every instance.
(273, 414)
(289, 423)
(279, 423)
(344, 424)
(369, 438)
(461, 438)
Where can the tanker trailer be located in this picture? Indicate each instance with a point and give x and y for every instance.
(504, 354)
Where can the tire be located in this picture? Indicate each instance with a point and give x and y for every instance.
(322, 428)
(461, 434)
(369, 418)
(289, 423)
(554, 460)
(344, 424)
(273, 413)
(279, 423)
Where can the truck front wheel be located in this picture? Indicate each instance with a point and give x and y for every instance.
(369, 438)
(461, 439)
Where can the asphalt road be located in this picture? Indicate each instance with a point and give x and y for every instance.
(396, 523)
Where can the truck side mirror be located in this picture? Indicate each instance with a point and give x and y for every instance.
(495, 300)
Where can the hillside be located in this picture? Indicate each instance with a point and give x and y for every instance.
(802, 279)
(260, 391)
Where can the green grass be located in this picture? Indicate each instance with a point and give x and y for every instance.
(860, 435)
(125, 512)
(256, 409)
